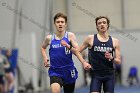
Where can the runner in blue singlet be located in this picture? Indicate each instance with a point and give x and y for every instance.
(62, 71)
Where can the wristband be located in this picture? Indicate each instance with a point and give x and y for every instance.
(112, 59)
(70, 47)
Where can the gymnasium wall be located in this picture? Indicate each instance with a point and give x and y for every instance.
(29, 20)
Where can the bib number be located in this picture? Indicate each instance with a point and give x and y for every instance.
(67, 51)
(72, 73)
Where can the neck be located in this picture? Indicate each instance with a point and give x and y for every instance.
(60, 34)
(104, 35)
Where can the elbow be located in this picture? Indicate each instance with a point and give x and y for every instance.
(79, 50)
(118, 61)
(76, 52)
(42, 48)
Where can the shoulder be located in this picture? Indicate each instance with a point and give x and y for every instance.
(70, 34)
(89, 41)
(90, 37)
(48, 37)
(3, 57)
(115, 41)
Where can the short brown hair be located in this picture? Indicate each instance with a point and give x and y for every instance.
(100, 17)
(60, 15)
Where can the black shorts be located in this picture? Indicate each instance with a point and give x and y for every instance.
(68, 88)
(8, 70)
(1, 80)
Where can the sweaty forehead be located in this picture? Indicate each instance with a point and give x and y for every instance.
(60, 19)
(101, 20)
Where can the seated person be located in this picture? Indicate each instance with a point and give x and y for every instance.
(133, 75)
(9, 72)
(3, 65)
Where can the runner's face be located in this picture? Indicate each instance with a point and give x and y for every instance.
(102, 25)
(60, 24)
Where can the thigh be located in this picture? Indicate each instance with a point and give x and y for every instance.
(9, 76)
(96, 84)
(56, 79)
(1, 88)
(108, 84)
(56, 84)
(69, 88)
(1, 84)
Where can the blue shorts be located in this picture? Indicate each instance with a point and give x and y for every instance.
(68, 75)
(107, 81)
